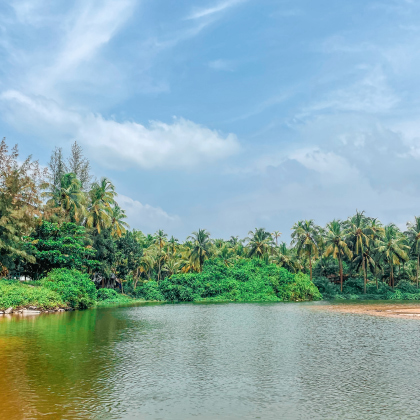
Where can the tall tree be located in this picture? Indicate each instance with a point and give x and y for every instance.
(160, 240)
(359, 233)
(276, 235)
(79, 165)
(394, 246)
(102, 197)
(305, 236)
(68, 196)
(118, 225)
(200, 246)
(20, 203)
(413, 235)
(260, 242)
(336, 245)
(57, 167)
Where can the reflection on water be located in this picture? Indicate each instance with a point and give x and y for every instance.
(226, 361)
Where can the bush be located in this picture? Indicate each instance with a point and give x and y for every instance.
(328, 289)
(107, 294)
(74, 287)
(246, 281)
(15, 294)
(407, 287)
(148, 291)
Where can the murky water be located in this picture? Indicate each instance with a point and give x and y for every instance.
(226, 361)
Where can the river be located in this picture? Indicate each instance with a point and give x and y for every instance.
(197, 361)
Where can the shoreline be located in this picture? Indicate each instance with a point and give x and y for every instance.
(407, 310)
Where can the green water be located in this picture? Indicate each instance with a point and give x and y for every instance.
(224, 361)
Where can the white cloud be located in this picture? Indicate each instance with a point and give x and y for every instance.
(211, 10)
(182, 144)
(145, 217)
(221, 65)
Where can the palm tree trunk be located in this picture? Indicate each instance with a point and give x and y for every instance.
(310, 267)
(364, 276)
(417, 277)
(341, 272)
(392, 276)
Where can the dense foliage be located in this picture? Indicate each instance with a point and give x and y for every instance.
(62, 219)
(74, 287)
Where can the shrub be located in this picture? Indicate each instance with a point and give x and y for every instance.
(107, 294)
(327, 288)
(407, 287)
(16, 294)
(148, 291)
(74, 287)
(246, 281)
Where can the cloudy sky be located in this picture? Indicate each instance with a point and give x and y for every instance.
(223, 114)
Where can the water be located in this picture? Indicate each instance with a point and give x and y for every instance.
(224, 361)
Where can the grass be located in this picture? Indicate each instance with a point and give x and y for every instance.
(15, 294)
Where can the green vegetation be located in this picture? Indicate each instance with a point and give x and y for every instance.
(15, 294)
(68, 236)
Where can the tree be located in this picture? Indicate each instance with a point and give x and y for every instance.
(102, 195)
(336, 245)
(359, 233)
(160, 238)
(79, 165)
(276, 235)
(118, 225)
(20, 204)
(200, 246)
(68, 196)
(260, 242)
(284, 257)
(394, 246)
(305, 236)
(413, 235)
(57, 167)
(59, 246)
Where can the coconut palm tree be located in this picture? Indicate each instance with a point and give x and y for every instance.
(171, 267)
(394, 247)
(102, 197)
(260, 243)
(228, 256)
(201, 245)
(413, 235)
(305, 237)
(336, 246)
(284, 257)
(276, 235)
(118, 225)
(160, 238)
(359, 232)
(68, 196)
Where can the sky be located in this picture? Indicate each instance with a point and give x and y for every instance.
(223, 114)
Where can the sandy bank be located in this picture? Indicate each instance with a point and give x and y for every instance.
(385, 309)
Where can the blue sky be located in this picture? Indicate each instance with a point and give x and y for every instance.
(226, 115)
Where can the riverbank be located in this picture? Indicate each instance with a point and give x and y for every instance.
(383, 309)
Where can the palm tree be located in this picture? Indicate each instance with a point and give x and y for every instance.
(118, 225)
(200, 247)
(359, 233)
(160, 238)
(172, 245)
(68, 196)
(305, 236)
(276, 235)
(413, 235)
(336, 245)
(227, 255)
(284, 257)
(102, 195)
(394, 247)
(171, 267)
(260, 242)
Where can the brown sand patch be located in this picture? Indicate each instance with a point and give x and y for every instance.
(390, 310)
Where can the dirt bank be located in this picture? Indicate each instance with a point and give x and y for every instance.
(385, 309)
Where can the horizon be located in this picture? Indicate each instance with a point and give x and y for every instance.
(224, 115)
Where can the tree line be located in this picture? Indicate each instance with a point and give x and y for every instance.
(60, 217)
